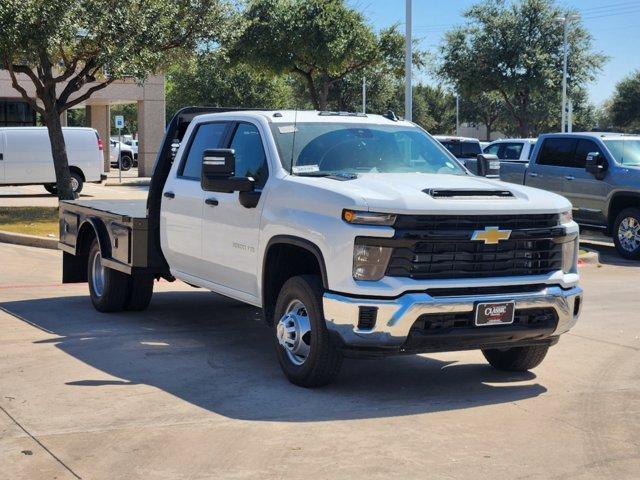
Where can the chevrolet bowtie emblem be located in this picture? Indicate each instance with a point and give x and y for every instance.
(491, 235)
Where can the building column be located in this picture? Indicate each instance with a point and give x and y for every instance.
(151, 124)
(99, 117)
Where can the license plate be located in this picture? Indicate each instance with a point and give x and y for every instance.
(495, 313)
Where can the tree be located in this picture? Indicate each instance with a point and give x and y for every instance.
(322, 42)
(209, 78)
(514, 50)
(485, 108)
(70, 49)
(624, 107)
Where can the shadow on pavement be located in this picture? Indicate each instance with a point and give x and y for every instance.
(217, 354)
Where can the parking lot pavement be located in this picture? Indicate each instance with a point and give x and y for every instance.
(191, 389)
(37, 196)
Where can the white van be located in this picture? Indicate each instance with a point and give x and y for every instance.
(25, 157)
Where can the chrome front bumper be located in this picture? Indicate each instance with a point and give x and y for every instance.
(395, 317)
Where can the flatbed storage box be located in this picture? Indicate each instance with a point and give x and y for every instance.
(122, 223)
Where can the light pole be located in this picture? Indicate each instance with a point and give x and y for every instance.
(457, 115)
(565, 51)
(408, 61)
(364, 94)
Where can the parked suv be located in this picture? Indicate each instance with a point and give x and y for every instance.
(463, 148)
(598, 172)
(512, 149)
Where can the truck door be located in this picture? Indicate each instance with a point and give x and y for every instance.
(1, 157)
(183, 203)
(552, 164)
(586, 193)
(231, 231)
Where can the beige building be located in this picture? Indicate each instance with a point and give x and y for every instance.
(149, 97)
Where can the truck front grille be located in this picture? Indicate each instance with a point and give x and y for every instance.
(474, 222)
(446, 323)
(468, 259)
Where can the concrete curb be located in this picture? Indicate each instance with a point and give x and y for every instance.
(590, 257)
(142, 182)
(28, 240)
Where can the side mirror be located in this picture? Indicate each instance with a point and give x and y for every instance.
(596, 165)
(488, 165)
(218, 172)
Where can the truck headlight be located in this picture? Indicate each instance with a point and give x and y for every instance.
(570, 256)
(370, 262)
(368, 218)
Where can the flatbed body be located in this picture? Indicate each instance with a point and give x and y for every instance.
(123, 226)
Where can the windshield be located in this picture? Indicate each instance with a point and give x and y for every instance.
(626, 152)
(348, 148)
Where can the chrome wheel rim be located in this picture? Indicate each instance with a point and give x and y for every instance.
(294, 332)
(74, 184)
(97, 277)
(629, 234)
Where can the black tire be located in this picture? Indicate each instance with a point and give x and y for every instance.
(627, 213)
(517, 359)
(51, 188)
(140, 292)
(324, 359)
(78, 178)
(126, 162)
(115, 286)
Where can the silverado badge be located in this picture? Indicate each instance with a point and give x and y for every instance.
(491, 235)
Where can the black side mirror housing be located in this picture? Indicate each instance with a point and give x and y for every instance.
(218, 172)
(488, 165)
(596, 165)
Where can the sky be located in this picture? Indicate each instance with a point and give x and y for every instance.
(614, 25)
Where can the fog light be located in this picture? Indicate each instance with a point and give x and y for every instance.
(370, 262)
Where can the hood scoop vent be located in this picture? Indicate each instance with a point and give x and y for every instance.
(468, 194)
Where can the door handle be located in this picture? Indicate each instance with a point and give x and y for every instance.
(533, 175)
(569, 177)
(169, 194)
(211, 201)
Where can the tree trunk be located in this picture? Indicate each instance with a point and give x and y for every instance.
(488, 125)
(59, 152)
(323, 99)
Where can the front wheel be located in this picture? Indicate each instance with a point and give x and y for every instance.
(626, 233)
(516, 359)
(305, 351)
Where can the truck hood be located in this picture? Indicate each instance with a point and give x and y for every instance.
(405, 193)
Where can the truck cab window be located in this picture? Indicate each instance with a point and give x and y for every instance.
(558, 152)
(251, 160)
(208, 135)
(584, 148)
(512, 151)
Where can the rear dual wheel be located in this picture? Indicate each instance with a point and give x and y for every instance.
(113, 291)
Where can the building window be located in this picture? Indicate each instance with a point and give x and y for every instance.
(16, 113)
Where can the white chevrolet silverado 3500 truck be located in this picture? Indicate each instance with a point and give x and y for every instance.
(357, 235)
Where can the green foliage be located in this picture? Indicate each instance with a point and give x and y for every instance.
(130, 113)
(324, 43)
(514, 50)
(209, 78)
(70, 49)
(624, 108)
(485, 108)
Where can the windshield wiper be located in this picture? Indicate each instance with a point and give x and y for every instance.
(313, 174)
